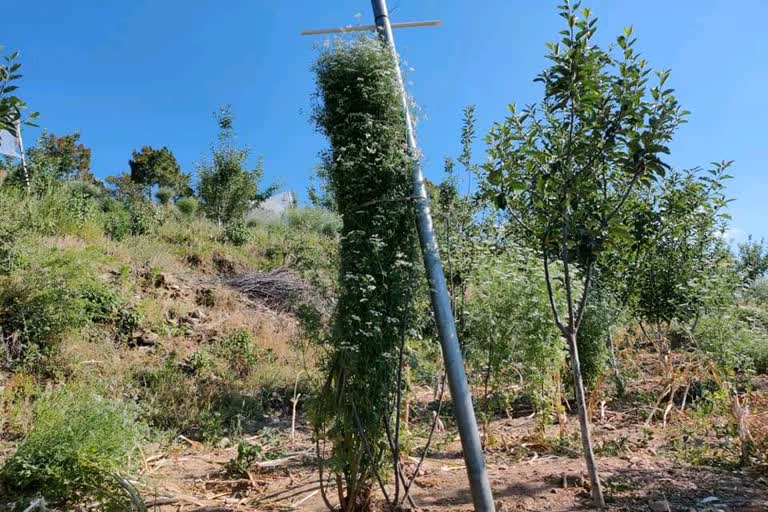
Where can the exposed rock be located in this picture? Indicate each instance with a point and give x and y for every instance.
(144, 339)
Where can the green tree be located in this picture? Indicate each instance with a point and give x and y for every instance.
(124, 187)
(11, 107)
(227, 188)
(64, 155)
(10, 104)
(676, 227)
(563, 169)
(752, 259)
(455, 212)
(158, 167)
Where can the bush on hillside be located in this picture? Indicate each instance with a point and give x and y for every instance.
(117, 224)
(187, 206)
(164, 195)
(318, 220)
(237, 233)
(178, 397)
(36, 314)
(145, 217)
(55, 295)
(79, 442)
(736, 346)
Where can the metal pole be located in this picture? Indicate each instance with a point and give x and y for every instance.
(441, 300)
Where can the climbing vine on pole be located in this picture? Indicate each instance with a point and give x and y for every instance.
(360, 112)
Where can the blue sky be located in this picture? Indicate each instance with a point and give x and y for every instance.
(128, 74)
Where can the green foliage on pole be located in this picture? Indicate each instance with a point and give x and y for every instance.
(369, 172)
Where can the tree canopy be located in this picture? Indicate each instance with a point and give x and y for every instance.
(158, 167)
(227, 188)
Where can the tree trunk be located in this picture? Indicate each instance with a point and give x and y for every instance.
(586, 438)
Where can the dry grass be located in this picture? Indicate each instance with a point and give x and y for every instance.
(17, 394)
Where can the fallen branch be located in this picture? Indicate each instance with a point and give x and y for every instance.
(305, 498)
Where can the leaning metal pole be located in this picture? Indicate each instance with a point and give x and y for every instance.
(441, 302)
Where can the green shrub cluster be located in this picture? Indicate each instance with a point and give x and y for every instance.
(57, 293)
(237, 233)
(509, 332)
(188, 397)
(187, 207)
(318, 220)
(737, 346)
(79, 444)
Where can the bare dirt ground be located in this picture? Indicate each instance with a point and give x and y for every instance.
(637, 472)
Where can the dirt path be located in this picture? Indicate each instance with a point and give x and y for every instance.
(193, 477)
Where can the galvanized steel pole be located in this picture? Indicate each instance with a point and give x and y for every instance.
(441, 301)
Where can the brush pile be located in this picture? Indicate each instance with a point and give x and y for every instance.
(280, 289)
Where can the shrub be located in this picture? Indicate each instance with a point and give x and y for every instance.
(237, 233)
(80, 201)
(239, 351)
(54, 295)
(134, 217)
(599, 316)
(318, 220)
(203, 406)
(16, 398)
(13, 227)
(103, 305)
(509, 326)
(736, 346)
(145, 217)
(164, 195)
(78, 444)
(63, 210)
(84, 189)
(36, 313)
(187, 206)
(117, 222)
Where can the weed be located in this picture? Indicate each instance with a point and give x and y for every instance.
(239, 351)
(16, 399)
(248, 454)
